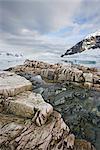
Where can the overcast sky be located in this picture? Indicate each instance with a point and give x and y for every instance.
(46, 24)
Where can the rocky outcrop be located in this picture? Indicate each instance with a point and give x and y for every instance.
(24, 103)
(90, 42)
(28, 122)
(82, 76)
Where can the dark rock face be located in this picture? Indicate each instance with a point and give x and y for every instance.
(75, 49)
(92, 42)
(97, 45)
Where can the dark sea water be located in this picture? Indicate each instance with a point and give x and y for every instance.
(90, 58)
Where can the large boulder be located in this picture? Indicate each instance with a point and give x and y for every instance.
(12, 84)
(20, 101)
(29, 105)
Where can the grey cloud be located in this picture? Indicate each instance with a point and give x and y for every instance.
(27, 23)
(38, 15)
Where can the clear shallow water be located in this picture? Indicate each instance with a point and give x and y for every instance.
(90, 58)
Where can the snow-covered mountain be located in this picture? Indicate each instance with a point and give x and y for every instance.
(91, 41)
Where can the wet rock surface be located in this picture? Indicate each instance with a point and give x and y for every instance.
(80, 107)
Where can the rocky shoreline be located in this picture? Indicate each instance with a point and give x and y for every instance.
(73, 91)
(75, 74)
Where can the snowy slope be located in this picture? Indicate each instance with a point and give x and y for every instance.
(91, 41)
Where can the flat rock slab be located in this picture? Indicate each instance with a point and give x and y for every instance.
(12, 84)
(29, 105)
